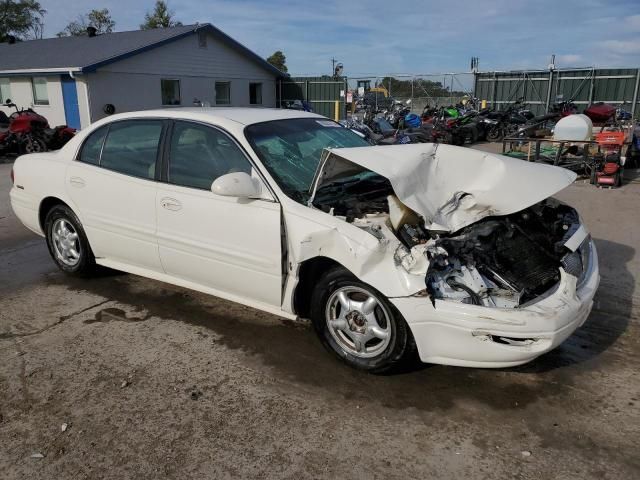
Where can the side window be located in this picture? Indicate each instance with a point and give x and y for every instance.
(90, 152)
(131, 147)
(200, 154)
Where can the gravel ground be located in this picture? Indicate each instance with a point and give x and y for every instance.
(153, 381)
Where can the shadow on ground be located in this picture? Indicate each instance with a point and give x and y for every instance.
(291, 351)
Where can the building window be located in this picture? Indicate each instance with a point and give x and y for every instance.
(223, 93)
(202, 39)
(255, 93)
(5, 90)
(170, 92)
(40, 94)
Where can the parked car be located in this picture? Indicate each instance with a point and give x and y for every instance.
(456, 253)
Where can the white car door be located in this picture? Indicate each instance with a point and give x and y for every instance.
(112, 183)
(227, 244)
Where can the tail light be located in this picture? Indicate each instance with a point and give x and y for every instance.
(13, 177)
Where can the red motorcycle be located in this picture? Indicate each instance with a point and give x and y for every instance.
(600, 113)
(26, 131)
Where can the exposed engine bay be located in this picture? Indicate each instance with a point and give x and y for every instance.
(499, 261)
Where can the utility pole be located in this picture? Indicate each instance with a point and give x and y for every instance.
(333, 66)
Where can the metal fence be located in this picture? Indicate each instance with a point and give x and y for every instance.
(326, 95)
(428, 89)
(540, 88)
(331, 96)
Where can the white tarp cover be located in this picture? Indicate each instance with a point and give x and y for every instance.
(451, 187)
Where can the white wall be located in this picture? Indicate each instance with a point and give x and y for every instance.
(134, 83)
(83, 100)
(22, 96)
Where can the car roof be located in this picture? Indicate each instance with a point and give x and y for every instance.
(220, 115)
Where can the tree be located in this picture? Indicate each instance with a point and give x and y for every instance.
(161, 17)
(99, 19)
(278, 60)
(36, 31)
(19, 18)
(421, 88)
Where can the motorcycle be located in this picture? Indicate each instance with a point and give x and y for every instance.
(56, 138)
(564, 108)
(516, 120)
(29, 132)
(19, 136)
(301, 105)
(396, 114)
(393, 137)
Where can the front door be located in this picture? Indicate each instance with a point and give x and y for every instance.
(226, 244)
(112, 183)
(70, 100)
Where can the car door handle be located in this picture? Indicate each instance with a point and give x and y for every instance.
(170, 204)
(77, 182)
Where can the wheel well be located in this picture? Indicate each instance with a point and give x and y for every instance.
(309, 271)
(45, 206)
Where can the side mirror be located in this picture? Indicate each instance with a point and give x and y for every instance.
(237, 184)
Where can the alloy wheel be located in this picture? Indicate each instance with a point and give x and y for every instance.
(66, 243)
(358, 321)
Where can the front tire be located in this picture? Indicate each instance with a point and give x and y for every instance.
(358, 324)
(67, 242)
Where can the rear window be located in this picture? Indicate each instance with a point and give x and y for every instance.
(131, 148)
(93, 146)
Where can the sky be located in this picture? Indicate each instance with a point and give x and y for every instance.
(377, 37)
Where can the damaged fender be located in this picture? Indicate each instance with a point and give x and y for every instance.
(368, 255)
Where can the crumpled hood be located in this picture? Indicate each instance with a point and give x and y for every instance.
(451, 187)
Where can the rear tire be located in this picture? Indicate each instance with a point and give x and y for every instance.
(358, 324)
(494, 134)
(32, 144)
(67, 242)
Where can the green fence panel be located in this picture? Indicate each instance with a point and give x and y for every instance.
(321, 92)
(618, 86)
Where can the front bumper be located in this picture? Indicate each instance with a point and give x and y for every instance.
(453, 333)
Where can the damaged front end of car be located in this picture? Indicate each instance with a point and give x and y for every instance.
(500, 262)
(481, 231)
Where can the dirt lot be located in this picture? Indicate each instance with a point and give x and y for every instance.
(154, 381)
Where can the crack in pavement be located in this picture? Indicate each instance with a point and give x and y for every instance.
(26, 398)
(64, 318)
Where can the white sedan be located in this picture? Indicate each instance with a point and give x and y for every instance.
(457, 254)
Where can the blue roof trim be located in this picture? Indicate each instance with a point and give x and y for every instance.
(209, 28)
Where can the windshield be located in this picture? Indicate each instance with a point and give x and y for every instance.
(291, 149)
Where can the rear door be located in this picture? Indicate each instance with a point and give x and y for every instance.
(230, 245)
(112, 183)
